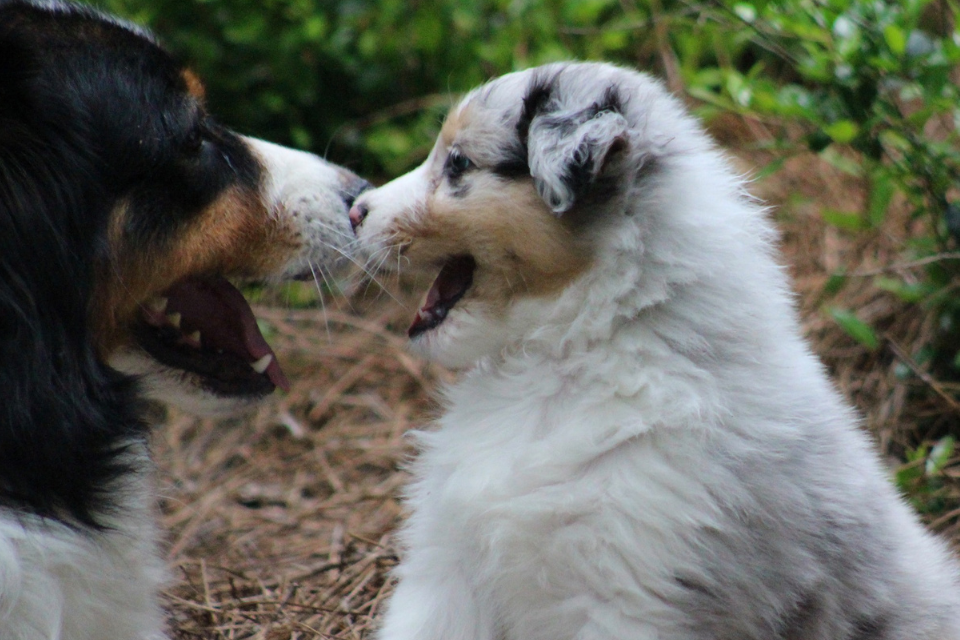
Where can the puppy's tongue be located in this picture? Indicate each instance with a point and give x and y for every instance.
(216, 309)
(455, 278)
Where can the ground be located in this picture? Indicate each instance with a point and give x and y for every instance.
(279, 523)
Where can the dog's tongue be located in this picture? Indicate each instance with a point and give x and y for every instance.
(455, 278)
(216, 309)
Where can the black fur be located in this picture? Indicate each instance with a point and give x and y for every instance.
(513, 165)
(582, 173)
(538, 96)
(92, 113)
(537, 101)
(612, 100)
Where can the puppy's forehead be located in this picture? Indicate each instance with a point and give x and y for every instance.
(490, 112)
(558, 83)
(481, 125)
(456, 124)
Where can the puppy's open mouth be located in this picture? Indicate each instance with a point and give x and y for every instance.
(205, 326)
(456, 277)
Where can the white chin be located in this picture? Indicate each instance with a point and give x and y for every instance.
(177, 388)
(460, 340)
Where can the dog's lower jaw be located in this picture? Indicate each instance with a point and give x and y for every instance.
(461, 340)
(475, 332)
(175, 387)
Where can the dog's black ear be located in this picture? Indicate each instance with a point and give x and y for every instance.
(569, 150)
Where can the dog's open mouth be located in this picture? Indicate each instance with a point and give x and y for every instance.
(455, 278)
(205, 326)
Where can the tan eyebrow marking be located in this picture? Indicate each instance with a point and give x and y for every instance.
(194, 86)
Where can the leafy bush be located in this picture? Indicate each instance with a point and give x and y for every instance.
(876, 79)
(367, 81)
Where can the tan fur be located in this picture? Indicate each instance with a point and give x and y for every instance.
(521, 248)
(194, 85)
(235, 237)
(455, 122)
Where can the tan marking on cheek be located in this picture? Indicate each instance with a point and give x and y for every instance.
(521, 248)
(235, 236)
(194, 85)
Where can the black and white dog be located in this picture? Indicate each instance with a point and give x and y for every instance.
(124, 209)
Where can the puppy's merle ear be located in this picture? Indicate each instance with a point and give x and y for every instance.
(569, 150)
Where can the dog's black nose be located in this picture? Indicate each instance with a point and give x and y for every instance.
(356, 186)
(358, 213)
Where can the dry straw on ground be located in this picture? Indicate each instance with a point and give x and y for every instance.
(279, 523)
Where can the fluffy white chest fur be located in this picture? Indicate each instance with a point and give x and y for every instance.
(642, 445)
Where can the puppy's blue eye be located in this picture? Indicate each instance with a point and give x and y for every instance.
(457, 164)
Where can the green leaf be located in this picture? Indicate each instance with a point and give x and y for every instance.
(745, 11)
(770, 168)
(855, 327)
(939, 456)
(266, 328)
(908, 292)
(834, 283)
(850, 221)
(301, 295)
(842, 162)
(896, 39)
(843, 131)
(882, 190)
(907, 476)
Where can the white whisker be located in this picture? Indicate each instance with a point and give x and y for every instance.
(323, 306)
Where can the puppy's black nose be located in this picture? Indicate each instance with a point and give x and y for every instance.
(358, 213)
(356, 186)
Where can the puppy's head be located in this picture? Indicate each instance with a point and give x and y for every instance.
(526, 183)
(126, 210)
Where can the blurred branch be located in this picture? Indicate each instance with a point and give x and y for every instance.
(904, 266)
(406, 108)
(923, 375)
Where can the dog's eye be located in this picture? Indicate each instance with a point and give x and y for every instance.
(457, 164)
(194, 141)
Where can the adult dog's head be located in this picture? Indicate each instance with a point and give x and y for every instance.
(124, 210)
(533, 177)
(125, 206)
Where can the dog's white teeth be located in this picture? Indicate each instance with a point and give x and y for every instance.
(261, 365)
(157, 304)
(193, 339)
(174, 319)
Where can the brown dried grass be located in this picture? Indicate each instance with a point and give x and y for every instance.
(279, 523)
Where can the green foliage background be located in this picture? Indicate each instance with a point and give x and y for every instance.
(365, 81)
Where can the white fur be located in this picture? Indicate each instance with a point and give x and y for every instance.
(653, 453)
(62, 583)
